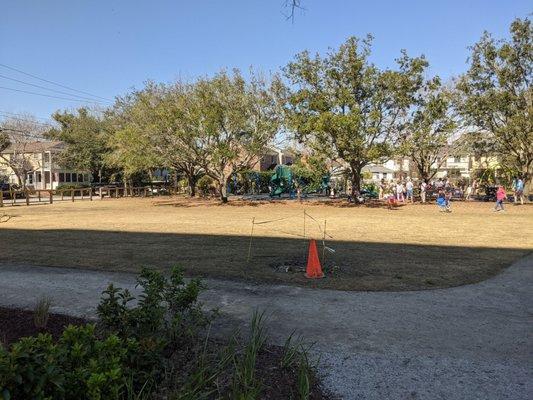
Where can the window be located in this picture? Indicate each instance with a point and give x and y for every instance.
(74, 177)
(67, 177)
(46, 157)
(38, 177)
(457, 159)
(80, 177)
(30, 178)
(61, 177)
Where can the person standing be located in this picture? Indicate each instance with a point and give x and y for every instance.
(399, 192)
(381, 189)
(468, 192)
(519, 191)
(409, 187)
(500, 197)
(423, 188)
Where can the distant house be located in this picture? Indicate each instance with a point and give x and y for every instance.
(378, 172)
(273, 157)
(36, 161)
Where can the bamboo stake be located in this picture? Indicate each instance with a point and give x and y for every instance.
(324, 245)
(304, 223)
(250, 244)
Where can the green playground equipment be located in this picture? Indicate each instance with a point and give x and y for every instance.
(285, 181)
(281, 182)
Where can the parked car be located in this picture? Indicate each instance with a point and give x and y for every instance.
(8, 188)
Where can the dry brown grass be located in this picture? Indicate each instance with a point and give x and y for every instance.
(411, 247)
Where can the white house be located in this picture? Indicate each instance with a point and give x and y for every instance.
(36, 160)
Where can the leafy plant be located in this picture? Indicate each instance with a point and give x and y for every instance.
(41, 312)
(245, 385)
(167, 315)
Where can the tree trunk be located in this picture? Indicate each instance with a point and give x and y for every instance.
(192, 179)
(356, 181)
(527, 177)
(223, 190)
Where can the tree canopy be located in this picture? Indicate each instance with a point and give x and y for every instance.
(495, 95)
(349, 107)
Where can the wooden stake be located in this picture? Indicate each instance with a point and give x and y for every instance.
(250, 244)
(304, 223)
(324, 245)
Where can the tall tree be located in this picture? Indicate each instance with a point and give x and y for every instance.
(155, 128)
(347, 105)
(428, 129)
(16, 137)
(236, 120)
(86, 136)
(496, 96)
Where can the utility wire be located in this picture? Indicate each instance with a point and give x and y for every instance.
(53, 83)
(26, 120)
(48, 95)
(25, 115)
(52, 90)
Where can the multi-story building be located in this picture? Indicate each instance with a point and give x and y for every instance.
(34, 162)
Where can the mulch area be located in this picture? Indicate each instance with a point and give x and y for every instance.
(16, 323)
(276, 382)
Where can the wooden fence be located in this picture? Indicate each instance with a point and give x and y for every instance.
(14, 197)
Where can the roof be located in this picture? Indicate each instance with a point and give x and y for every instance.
(377, 168)
(34, 147)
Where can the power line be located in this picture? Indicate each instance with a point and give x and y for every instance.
(47, 125)
(52, 90)
(48, 95)
(25, 115)
(53, 83)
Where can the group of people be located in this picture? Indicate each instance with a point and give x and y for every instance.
(402, 191)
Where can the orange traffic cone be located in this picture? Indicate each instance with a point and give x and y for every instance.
(314, 270)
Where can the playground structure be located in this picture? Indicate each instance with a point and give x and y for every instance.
(284, 180)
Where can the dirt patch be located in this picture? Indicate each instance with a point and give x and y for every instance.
(16, 324)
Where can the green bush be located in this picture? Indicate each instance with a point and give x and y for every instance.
(166, 317)
(66, 186)
(127, 351)
(78, 366)
(205, 185)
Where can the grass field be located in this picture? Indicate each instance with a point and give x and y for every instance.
(411, 247)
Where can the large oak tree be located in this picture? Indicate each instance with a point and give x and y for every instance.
(348, 106)
(496, 96)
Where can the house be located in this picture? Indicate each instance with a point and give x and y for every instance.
(378, 172)
(273, 157)
(35, 163)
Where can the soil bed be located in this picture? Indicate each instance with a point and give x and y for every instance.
(277, 383)
(16, 324)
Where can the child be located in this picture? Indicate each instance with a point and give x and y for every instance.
(442, 202)
(500, 196)
(399, 192)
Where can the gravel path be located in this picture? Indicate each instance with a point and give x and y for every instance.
(470, 342)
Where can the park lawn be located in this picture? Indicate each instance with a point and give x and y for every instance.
(408, 248)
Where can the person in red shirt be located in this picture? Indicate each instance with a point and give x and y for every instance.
(500, 196)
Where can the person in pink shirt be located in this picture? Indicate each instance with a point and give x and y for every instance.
(500, 196)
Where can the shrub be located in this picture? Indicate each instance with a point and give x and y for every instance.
(78, 366)
(167, 315)
(66, 186)
(41, 312)
(205, 185)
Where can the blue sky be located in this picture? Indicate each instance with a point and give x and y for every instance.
(106, 47)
